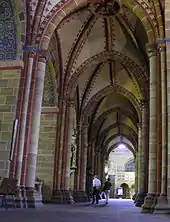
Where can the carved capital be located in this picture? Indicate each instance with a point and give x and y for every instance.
(31, 54)
(152, 49)
(43, 56)
(161, 44)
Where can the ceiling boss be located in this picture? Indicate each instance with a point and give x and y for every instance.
(105, 7)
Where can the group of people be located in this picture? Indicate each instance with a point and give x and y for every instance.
(98, 190)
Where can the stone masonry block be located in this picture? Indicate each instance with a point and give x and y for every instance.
(4, 155)
(1, 116)
(13, 83)
(5, 136)
(4, 83)
(8, 116)
(2, 165)
(7, 91)
(3, 145)
(2, 99)
(9, 75)
(7, 126)
(10, 99)
(5, 108)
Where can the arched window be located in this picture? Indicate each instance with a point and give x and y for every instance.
(130, 166)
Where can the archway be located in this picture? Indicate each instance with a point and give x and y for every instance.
(126, 191)
(99, 76)
(119, 169)
(93, 77)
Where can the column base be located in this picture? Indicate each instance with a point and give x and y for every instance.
(139, 200)
(149, 203)
(21, 198)
(134, 197)
(80, 196)
(46, 194)
(62, 197)
(162, 204)
(33, 198)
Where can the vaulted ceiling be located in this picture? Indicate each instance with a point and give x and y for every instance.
(107, 62)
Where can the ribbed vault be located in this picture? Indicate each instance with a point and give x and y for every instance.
(104, 68)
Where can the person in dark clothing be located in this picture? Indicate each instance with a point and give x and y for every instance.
(106, 189)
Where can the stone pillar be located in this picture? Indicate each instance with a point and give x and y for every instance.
(78, 157)
(140, 167)
(93, 159)
(34, 136)
(136, 176)
(149, 203)
(61, 193)
(103, 178)
(80, 177)
(65, 172)
(20, 152)
(59, 147)
(140, 157)
(24, 119)
(28, 122)
(100, 166)
(145, 142)
(143, 156)
(162, 203)
(83, 166)
(65, 175)
(159, 129)
(73, 160)
(89, 170)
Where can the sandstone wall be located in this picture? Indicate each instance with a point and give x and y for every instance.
(46, 148)
(9, 87)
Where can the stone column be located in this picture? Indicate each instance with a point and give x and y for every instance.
(34, 136)
(162, 203)
(89, 170)
(149, 203)
(159, 129)
(96, 163)
(78, 160)
(66, 154)
(103, 178)
(136, 176)
(59, 148)
(84, 147)
(145, 142)
(99, 164)
(73, 159)
(24, 119)
(93, 158)
(140, 166)
(80, 177)
(142, 156)
(66, 147)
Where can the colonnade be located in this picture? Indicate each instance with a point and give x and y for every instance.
(152, 181)
(151, 170)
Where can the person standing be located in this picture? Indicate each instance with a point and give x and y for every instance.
(96, 189)
(106, 189)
